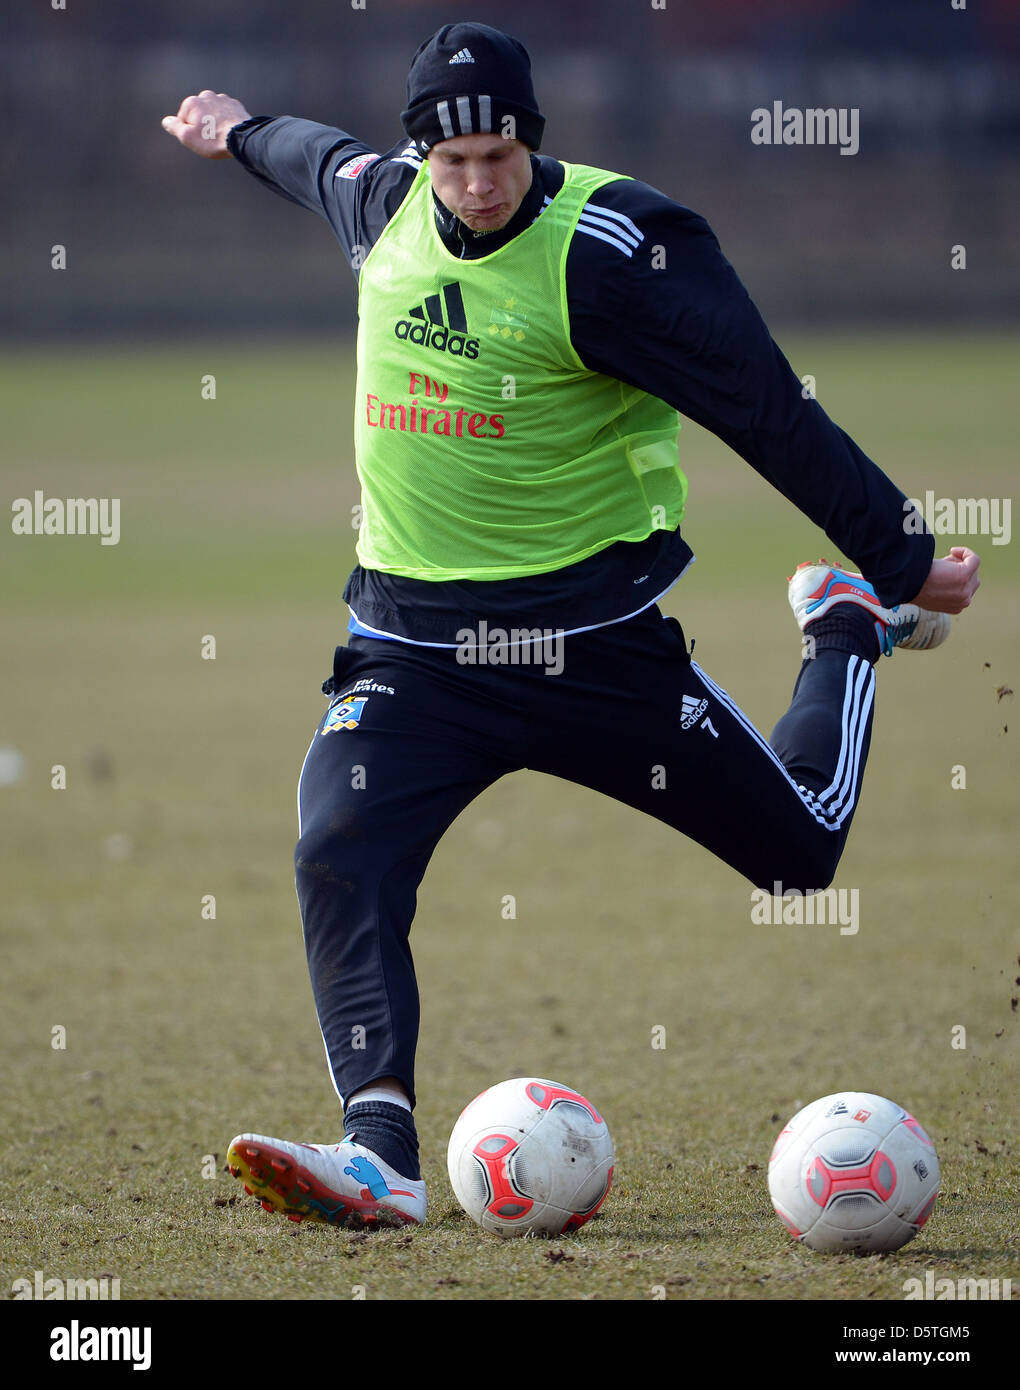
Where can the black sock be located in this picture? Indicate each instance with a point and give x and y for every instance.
(811, 738)
(388, 1130)
(849, 630)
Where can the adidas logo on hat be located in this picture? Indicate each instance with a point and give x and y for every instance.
(442, 103)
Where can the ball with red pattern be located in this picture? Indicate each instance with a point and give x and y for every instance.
(530, 1157)
(853, 1172)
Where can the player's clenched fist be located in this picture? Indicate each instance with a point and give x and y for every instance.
(204, 121)
(951, 583)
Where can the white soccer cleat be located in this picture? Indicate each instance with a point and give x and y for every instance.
(342, 1184)
(816, 589)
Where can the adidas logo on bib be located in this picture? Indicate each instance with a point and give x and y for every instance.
(439, 322)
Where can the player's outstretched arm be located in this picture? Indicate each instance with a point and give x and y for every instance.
(951, 583)
(204, 121)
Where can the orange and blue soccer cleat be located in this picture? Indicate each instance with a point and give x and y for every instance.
(816, 589)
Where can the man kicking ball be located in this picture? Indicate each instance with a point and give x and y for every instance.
(529, 333)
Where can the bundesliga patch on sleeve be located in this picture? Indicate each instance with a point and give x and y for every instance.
(354, 166)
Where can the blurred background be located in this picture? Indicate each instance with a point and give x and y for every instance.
(160, 244)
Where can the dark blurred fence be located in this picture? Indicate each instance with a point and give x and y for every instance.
(161, 242)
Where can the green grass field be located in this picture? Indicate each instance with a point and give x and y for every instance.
(181, 1031)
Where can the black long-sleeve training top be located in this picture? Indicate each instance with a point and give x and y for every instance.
(652, 302)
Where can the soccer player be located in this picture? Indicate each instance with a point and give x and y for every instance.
(529, 332)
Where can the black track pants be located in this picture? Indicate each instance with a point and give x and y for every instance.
(412, 736)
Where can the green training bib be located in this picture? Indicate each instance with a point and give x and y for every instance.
(485, 448)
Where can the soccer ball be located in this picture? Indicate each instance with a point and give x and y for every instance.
(854, 1173)
(530, 1157)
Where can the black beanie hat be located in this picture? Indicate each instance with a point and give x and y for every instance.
(463, 81)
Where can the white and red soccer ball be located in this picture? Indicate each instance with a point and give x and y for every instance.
(530, 1157)
(854, 1173)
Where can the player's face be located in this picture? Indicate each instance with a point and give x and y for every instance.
(481, 178)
